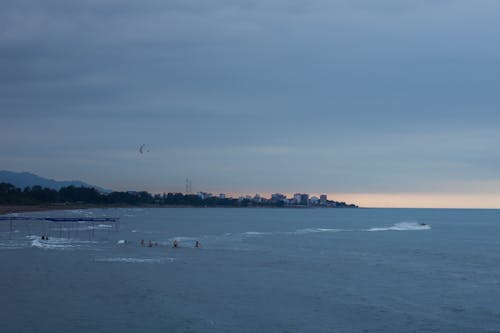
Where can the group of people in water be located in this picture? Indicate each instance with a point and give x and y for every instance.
(175, 243)
(150, 244)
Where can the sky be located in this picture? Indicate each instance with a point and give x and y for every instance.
(388, 103)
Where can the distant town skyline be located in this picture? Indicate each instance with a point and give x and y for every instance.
(383, 200)
(384, 104)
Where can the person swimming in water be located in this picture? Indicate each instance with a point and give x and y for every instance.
(142, 242)
(197, 244)
(175, 244)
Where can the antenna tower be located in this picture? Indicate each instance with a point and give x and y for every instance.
(189, 186)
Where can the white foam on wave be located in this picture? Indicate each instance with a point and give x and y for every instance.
(72, 229)
(121, 242)
(10, 246)
(54, 243)
(79, 212)
(228, 237)
(232, 238)
(133, 209)
(135, 260)
(296, 232)
(315, 230)
(9, 232)
(85, 228)
(403, 226)
(183, 239)
(256, 233)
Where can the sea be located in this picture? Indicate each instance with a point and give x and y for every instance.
(256, 270)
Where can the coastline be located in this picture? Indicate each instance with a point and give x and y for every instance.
(10, 209)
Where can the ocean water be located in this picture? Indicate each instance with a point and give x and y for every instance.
(258, 270)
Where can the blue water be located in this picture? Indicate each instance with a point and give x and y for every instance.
(258, 270)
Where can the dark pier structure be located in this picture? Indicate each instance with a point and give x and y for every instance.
(61, 226)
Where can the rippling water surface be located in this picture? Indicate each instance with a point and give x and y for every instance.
(258, 270)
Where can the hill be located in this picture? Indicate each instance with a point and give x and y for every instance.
(25, 179)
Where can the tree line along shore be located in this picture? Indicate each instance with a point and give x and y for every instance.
(14, 199)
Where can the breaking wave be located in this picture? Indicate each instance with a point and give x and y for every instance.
(10, 245)
(84, 212)
(135, 260)
(84, 228)
(296, 232)
(257, 233)
(183, 239)
(315, 230)
(54, 243)
(231, 238)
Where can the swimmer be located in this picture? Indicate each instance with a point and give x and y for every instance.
(150, 244)
(197, 244)
(175, 244)
(142, 242)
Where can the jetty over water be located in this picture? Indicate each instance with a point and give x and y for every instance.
(61, 226)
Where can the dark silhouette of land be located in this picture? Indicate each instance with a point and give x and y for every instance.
(14, 199)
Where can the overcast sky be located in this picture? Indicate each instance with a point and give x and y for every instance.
(383, 103)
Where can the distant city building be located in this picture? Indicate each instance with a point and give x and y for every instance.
(305, 199)
(204, 195)
(277, 197)
(276, 200)
(301, 199)
(297, 197)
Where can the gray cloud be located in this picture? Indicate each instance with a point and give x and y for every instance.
(344, 95)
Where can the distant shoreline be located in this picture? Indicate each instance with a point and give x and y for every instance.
(10, 209)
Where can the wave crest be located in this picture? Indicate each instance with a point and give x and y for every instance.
(135, 260)
(315, 230)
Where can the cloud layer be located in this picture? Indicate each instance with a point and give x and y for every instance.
(323, 96)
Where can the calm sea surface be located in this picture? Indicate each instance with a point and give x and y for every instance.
(258, 270)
